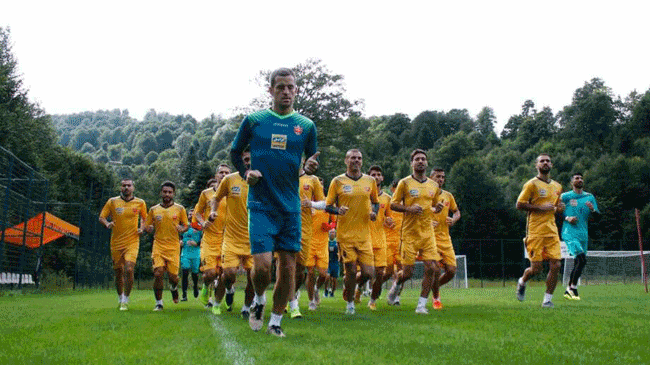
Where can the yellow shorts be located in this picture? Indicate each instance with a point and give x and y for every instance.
(446, 251)
(302, 257)
(210, 255)
(424, 249)
(319, 258)
(379, 256)
(169, 260)
(353, 251)
(543, 248)
(392, 255)
(122, 255)
(233, 259)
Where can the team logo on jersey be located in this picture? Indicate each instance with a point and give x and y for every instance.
(236, 190)
(431, 193)
(367, 189)
(573, 202)
(159, 218)
(305, 187)
(542, 193)
(347, 189)
(279, 141)
(382, 206)
(135, 210)
(414, 193)
(119, 210)
(297, 130)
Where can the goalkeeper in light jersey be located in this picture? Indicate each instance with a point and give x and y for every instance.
(579, 206)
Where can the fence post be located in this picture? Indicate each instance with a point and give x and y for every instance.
(26, 216)
(503, 264)
(5, 210)
(480, 260)
(39, 254)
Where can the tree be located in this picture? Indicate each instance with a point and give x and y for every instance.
(485, 121)
(452, 149)
(188, 166)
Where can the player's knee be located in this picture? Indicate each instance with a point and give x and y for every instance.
(555, 265)
(451, 271)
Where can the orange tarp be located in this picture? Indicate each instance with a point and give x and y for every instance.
(53, 228)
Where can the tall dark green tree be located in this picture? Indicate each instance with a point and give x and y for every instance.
(188, 165)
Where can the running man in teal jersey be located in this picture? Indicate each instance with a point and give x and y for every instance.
(277, 137)
(575, 233)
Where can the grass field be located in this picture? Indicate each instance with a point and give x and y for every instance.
(477, 326)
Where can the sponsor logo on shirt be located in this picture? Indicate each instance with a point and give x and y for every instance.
(159, 218)
(236, 190)
(573, 202)
(280, 125)
(414, 192)
(119, 210)
(542, 193)
(297, 130)
(347, 189)
(279, 141)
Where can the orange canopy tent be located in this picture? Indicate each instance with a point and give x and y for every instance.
(52, 228)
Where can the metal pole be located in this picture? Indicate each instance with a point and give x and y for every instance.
(638, 229)
(5, 209)
(503, 264)
(26, 215)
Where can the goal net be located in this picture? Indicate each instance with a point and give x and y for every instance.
(605, 267)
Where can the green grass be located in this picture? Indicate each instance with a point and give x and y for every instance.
(477, 326)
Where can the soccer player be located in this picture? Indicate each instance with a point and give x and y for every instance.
(311, 197)
(212, 234)
(579, 206)
(540, 199)
(190, 258)
(393, 239)
(124, 211)
(441, 223)
(417, 197)
(378, 237)
(353, 196)
(278, 137)
(236, 249)
(168, 220)
(333, 268)
(318, 259)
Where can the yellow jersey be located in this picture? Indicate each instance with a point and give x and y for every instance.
(320, 237)
(449, 204)
(394, 235)
(234, 190)
(164, 220)
(310, 189)
(124, 214)
(539, 192)
(214, 232)
(377, 233)
(357, 195)
(424, 193)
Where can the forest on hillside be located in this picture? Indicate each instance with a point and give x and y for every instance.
(602, 135)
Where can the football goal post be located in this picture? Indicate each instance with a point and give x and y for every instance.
(605, 267)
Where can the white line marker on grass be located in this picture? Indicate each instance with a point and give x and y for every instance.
(233, 350)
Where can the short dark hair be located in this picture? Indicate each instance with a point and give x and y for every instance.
(127, 179)
(375, 168)
(394, 183)
(168, 184)
(281, 72)
(210, 182)
(418, 151)
(437, 169)
(576, 174)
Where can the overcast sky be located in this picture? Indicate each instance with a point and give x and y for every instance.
(403, 56)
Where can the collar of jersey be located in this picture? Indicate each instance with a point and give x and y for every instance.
(282, 116)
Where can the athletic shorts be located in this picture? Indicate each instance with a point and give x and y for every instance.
(446, 252)
(232, 259)
(123, 255)
(302, 258)
(353, 251)
(424, 249)
(379, 256)
(274, 231)
(334, 269)
(210, 255)
(543, 248)
(318, 259)
(392, 255)
(169, 260)
(576, 247)
(190, 263)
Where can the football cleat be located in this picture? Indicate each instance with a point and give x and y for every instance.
(158, 308)
(437, 304)
(203, 296)
(184, 298)
(350, 311)
(216, 310)
(312, 306)
(421, 310)
(372, 306)
(521, 292)
(124, 306)
(245, 315)
(295, 313)
(256, 319)
(275, 331)
(548, 304)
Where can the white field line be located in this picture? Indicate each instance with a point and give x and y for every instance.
(232, 349)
